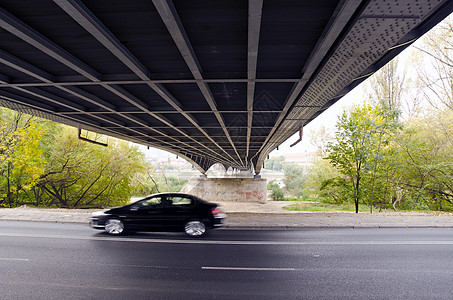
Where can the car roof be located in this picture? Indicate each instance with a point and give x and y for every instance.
(176, 194)
(171, 194)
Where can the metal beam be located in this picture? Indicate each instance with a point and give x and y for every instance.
(61, 81)
(339, 20)
(37, 73)
(29, 35)
(91, 23)
(171, 19)
(94, 26)
(24, 67)
(254, 27)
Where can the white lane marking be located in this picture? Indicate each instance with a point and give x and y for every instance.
(213, 242)
(13, 259)
(247, 269)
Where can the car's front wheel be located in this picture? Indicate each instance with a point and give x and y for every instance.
(114, 226)
(195, 228)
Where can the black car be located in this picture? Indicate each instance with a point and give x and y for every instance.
(161, 212)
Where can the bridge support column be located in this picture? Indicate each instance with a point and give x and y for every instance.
(228, 189)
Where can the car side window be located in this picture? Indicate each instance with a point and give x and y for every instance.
(180, 201)
(151, 202)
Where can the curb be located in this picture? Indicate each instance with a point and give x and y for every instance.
(44, 221)
(302, 227)
(266, 227)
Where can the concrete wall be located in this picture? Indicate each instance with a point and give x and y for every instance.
(228, 189)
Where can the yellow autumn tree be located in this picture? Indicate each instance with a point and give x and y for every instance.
(21, 160)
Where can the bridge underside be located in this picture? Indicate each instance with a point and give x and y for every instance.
(212, 81)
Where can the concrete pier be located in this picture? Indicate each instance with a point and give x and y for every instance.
(228, 189)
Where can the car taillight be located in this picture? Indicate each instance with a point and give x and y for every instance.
(216, 211)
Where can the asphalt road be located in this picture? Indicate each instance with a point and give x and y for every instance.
(70, 261)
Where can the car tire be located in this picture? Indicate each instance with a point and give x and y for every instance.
(114, 227)
(195, 228)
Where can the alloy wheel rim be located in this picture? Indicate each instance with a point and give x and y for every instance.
(114, 226)
(195, 228)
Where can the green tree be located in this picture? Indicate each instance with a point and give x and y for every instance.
(425, 146)
(275, 163)
(320, 138)
(357, 148)
(386, 93)
(386, 87)
(276, 191)
(294, 180)
(435, 65)
(165, 183)
(81, 174)
(324, 183)
(426, 172)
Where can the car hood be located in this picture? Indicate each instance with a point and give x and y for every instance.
(117, 209)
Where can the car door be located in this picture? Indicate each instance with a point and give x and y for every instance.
(147, 214)
(178, 210)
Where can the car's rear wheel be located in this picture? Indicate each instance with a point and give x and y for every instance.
(195, 228)
(114, 226)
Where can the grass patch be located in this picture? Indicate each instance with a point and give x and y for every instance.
(315, 206)
(295, 199)
(324, 207)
